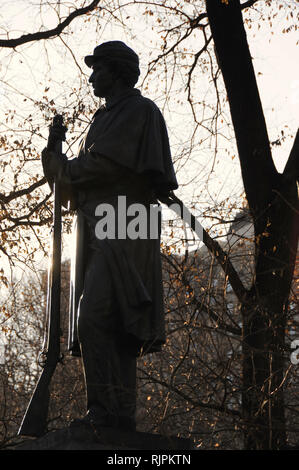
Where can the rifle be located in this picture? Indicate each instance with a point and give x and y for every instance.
(35, 419)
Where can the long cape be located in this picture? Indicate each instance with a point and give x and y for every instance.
(130, 133)
(133, 134)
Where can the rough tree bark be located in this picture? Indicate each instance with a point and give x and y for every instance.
(273, 202)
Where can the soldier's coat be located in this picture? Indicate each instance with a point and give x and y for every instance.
(126, 152)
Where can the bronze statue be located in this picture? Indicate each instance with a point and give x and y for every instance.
(116, 286)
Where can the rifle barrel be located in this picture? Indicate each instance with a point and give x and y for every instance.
(35, 419)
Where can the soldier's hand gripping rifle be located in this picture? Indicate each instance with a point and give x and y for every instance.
(35, 418)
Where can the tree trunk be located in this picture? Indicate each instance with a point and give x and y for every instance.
(273, 203)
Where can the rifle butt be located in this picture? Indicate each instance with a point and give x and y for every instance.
(34, 422)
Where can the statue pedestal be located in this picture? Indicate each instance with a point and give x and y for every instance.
(86, 438)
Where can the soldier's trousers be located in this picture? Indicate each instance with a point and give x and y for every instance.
(110, 370)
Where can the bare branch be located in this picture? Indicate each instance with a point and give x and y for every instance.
(214, 247)
(51, 32)
(22, 192)
(195, 403)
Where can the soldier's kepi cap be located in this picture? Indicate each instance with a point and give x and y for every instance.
(117, 52)
(114, 50)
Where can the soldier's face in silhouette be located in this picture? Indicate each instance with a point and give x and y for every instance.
(102, 80)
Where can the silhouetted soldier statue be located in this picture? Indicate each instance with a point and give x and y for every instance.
(116, 284)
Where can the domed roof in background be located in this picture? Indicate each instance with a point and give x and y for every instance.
(242, 219)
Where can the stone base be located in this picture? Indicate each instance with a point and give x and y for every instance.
(86, 438)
